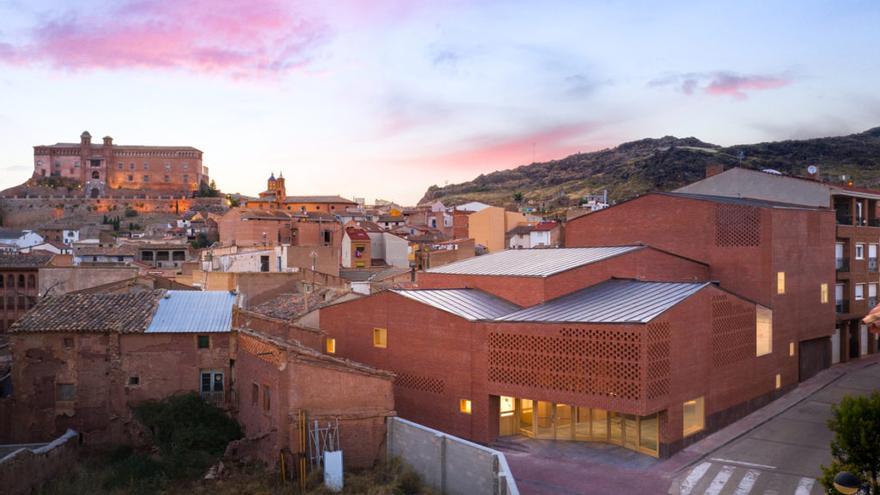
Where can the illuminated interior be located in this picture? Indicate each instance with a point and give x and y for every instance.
(553, 421)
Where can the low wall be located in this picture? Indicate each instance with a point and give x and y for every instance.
(29, 466)
(449, 464)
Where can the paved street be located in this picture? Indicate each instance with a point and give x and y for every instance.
(776, 450)
(781, 456)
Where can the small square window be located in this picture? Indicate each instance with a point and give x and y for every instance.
(330, 345)
(134, 380)
(380, 337)
(204, 341)
(464, 406)
(68, 342)
(65, 391)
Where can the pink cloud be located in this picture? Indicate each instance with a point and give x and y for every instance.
(722, 83)
(486, 154)
(239, 38)
(737, 86)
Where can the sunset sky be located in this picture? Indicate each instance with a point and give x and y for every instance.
(384, 98)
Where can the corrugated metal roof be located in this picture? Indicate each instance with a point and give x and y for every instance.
(614, 301)
(470, 304)
(187, 311)
(532, 262)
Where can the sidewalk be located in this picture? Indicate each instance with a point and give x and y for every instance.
(693, 453)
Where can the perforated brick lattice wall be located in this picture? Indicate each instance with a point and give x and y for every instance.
(737, 226)
(595, 361)
(658, 367)
(733, 331)
(418, 382)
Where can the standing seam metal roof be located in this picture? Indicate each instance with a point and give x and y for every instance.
(614, 301)
(186, 311)
(470, 304)
(532, 262)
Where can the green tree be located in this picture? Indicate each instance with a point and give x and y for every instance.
(856, 444)
(518, 197)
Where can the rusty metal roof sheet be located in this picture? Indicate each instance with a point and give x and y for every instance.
(532, 262)
(470, 304)
(614, 301)
(186, 311)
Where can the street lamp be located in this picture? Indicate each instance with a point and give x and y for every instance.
(847, 483)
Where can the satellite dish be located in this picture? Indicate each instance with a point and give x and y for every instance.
(812, 170)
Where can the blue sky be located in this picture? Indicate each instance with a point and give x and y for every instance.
(384, 98)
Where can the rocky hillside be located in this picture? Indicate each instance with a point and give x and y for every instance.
(663, 164)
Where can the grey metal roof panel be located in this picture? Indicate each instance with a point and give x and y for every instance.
(470, 304)
(614, 301)
(532, 262)
(758, 203)
(187, 311)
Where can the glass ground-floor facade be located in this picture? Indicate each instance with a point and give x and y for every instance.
(554, 421)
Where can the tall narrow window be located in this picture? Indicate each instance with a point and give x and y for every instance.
(694, 416)
(780, 282)
(255, 394)
(330, 345)
(860, 251)
(267, 398)
(763, 331)
(380, 337)
(860, 292)
(823, 290)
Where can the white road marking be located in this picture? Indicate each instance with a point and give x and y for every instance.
(805, 486)
(741, 463)
(694, 477)
(747, 482)
(720, 480)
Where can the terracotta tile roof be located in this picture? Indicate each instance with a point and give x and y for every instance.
(544, 226)
(357, 234)
(93, 313)
(122, 250)
(34, 260)
(318, 199)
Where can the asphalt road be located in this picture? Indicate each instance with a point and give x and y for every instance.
(783, 455)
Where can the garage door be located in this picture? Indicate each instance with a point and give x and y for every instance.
(814, 356)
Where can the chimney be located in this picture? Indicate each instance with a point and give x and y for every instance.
(714, 169)
(108, 141)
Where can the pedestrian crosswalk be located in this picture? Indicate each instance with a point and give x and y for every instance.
(711, 477)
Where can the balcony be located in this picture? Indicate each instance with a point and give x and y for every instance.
(842, 307)
(872, 265)
(843, 219)
(872, 301)
(841, 264)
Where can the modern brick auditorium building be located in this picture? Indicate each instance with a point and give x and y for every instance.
(675, 315)
(107, 166)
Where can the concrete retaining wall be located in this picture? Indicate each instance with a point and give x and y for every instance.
(29, 466)
(450, 464)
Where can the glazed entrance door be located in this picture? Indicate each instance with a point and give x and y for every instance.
(615, 428)
(544, 420)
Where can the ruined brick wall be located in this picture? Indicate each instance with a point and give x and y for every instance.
(28, 468)
(25, 212)
(84, 381)
(67, 279)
